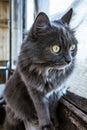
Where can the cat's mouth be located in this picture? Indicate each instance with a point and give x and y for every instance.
(60, 66)
(53, 65)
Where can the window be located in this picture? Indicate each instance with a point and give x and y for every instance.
(29, 13)
(58, 6)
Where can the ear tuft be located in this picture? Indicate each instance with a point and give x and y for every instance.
(67, 17)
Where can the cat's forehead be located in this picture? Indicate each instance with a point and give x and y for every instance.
(60, 32)
(60, 27)
(56, 34)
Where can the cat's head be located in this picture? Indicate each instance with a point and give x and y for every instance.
(51, 44)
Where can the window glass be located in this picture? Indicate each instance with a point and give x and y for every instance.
(30, 13)
(56, 6)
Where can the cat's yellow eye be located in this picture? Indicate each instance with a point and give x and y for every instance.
(72, 47)
(55, 48)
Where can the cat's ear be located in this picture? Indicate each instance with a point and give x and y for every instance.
(41, 23)
(67, 17)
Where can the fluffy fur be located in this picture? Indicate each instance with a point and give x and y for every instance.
(38, 81)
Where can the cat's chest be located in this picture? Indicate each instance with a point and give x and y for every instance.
(53, 79)
(55, 83)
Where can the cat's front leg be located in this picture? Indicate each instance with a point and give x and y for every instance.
(42, 109)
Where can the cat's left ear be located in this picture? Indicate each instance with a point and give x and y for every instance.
(67, 17)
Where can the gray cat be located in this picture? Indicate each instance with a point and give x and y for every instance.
(46, 60)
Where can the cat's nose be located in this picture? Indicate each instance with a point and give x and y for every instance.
(67, 61)
(67, 58)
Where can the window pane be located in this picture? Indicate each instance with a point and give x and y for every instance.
(58, 6)
(30, 13)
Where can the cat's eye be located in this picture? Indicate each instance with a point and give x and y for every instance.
(55, 48)
(72, 47)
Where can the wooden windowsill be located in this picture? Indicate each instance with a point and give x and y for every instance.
(76, 100)
(70, 117)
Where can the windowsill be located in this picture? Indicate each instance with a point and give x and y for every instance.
(70, 117)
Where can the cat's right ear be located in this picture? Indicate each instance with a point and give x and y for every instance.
(40, 24)
(67, 17)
